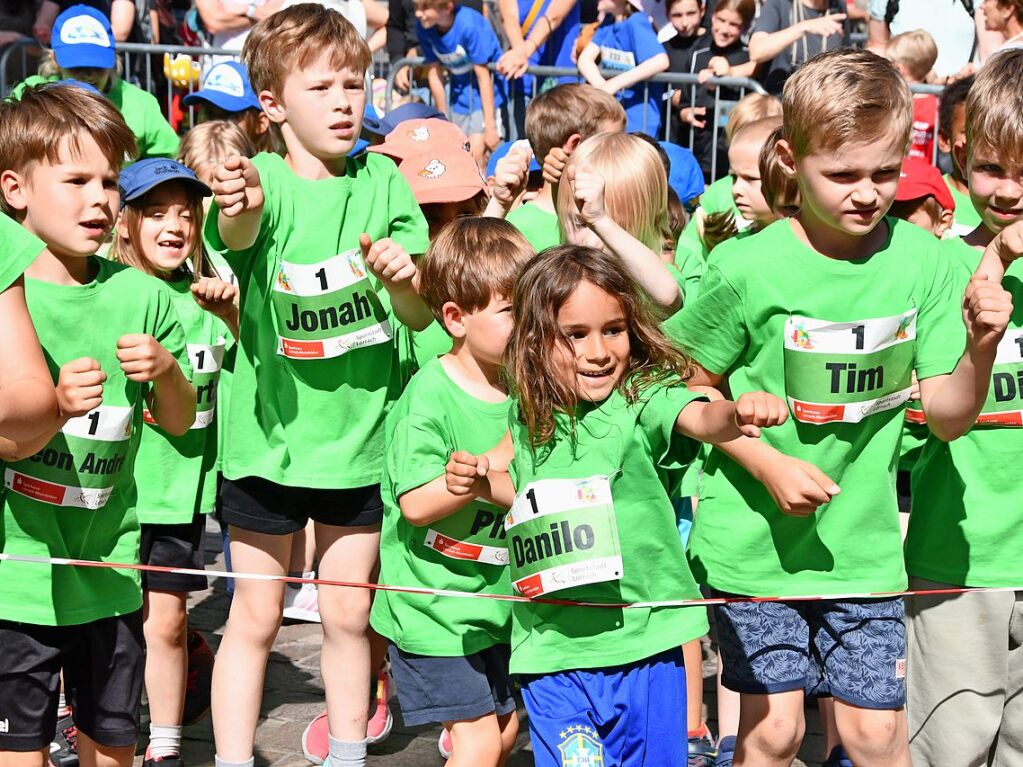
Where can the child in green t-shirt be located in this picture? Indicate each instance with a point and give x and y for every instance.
(114, 346)
(561, 118)
(28, 394)
(835, 307)
(602, 420)
(320, 244)
(158, 232)
(83, 50)
(450, 657)
(952, 130)
(966, 525)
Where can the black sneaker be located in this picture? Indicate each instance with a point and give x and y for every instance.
(64, 748)
(174, 760)
(200, 677)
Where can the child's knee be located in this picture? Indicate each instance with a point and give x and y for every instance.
(777, 736)
(257, 618)
(880, 734)
(345, 611)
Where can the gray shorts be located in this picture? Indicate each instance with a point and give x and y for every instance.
(452, 689)
(472, 122)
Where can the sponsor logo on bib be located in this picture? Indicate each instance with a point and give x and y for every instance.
(483, 541)
(1004, 404)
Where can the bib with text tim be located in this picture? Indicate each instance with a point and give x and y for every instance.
(563, 533)
(81, 465)
(327, 309)
(846, 371)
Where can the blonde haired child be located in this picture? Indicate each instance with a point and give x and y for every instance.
(913, 54)
(158, 232)
(208, 144)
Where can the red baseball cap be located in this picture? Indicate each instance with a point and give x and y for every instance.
(920, 179)
(443, 174)
(413, 136)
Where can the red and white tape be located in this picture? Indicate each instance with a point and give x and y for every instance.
(65, 562)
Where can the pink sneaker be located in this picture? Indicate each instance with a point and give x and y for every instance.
(444, 744)
(316, 738)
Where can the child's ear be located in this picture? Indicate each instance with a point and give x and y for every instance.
(453, 322)
(944, 144)
(122, 227)
(573, 141)
(273, 107)
(959, 155)
(12, 185)
(786, 157)
(948, 218)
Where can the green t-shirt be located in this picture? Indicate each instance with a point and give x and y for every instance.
(76, 497)
(627, 451)
(687, 270)
(174, 475)
(20, 249)
(317, 364)
(537, 225)
(966, 216)
(967, 522)
(463, 552)
(839, 339)
(716, 198)
(141, 111)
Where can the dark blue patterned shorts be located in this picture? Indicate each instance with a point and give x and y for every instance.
(852, 650)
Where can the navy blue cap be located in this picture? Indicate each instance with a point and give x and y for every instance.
(226, 86)
(71, 83)
(500, 152)
(686, 177)
(413, 110)
(82, 38)
(137, 179)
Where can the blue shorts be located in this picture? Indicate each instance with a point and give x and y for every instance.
(625, 716)
(452, 689)
(852, 650)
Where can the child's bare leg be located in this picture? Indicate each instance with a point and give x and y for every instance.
(303, 550)
(92, 754)
(476, 742)
(24, 758)
(509, 724)
(252, 625)
(872, 737)
(826, 708)
(165, 623)
(728, 708)
(771, 727)
(692, 654)
(350, 554)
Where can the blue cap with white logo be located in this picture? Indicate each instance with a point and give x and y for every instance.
(226, 86)
(137, 179)
(381, 126)
(82, 38)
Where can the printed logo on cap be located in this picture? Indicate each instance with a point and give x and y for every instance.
(434, 169)
(225, 79)
(84, 30)
(422, 133)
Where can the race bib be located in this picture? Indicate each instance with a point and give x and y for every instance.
(327, 309)
(206, 363)
(1004, 405)
(81, 465)
(847, 371)
(481, 539)
(616, 59)
(457, 61)
(563, 533)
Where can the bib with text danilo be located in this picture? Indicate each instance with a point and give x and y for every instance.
(563, 533)
(326, 309)
(206, 362)
(847, 371)
(81, 465)
(1004, 405)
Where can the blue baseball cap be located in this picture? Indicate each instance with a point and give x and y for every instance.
(137, 179)
(413, 110)
(82, 38)
(500, 152)
(226, 86)
(686, 177)
(72, 83)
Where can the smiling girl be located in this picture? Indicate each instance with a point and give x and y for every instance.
(601, 422)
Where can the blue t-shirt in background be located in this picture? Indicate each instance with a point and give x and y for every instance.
(471, 40)
(623, 46)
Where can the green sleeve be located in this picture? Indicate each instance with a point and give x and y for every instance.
(712, 328)
(20, 249)
(29, 82)
(660, 409)
(167, 329)
(687, 270)
(689, 241)
(940, 333)
(407, 225)
(416, 453)
(159, 140)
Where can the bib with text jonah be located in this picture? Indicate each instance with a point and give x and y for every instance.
(563, 533)
(847, 371)
(327, 309)
(80, 466)
(479, 539)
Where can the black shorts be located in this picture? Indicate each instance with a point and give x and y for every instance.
(103, 665)
(452, 689)
(174, 546)
(261, 506)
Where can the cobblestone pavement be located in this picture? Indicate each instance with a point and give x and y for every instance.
(294, 695)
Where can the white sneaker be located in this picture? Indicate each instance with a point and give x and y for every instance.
(300, 603)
